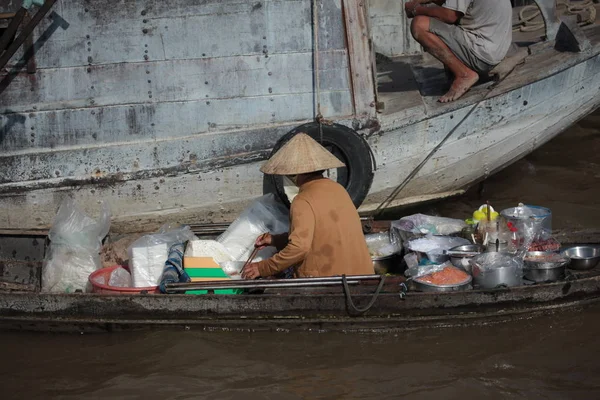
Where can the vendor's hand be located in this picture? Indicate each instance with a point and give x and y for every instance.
(409, 7)
(264, 240)
(250, 271)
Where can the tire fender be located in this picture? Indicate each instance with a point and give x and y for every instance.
(348, 146)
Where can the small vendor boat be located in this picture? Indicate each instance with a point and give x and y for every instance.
(346, 304)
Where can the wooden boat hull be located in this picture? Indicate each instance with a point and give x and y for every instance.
(292, 311)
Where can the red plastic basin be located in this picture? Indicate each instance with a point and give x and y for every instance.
(106, 289)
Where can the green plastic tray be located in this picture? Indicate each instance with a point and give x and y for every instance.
(206, 273)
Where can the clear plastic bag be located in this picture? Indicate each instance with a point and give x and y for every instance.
(421, 270)
(148, 254)
(207, 248)
(75, 242)
(266, 214)
(382, 245)
(545, 242)
(491, 270)
(418, 225)
(436, 244)
(120, 277)
(529, 232)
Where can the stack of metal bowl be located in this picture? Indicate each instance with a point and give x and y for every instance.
(582, 257)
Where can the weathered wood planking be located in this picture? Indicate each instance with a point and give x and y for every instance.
(178, 80)
(113, 31)
(362, 75)
(143, 204)
(390, 29)
(96, 141)
(95, 88)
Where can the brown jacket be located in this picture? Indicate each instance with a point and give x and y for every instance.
(325, 238)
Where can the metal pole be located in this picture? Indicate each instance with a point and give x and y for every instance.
(171, 289)
(329, 279)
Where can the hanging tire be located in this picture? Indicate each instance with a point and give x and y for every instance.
(344, 143)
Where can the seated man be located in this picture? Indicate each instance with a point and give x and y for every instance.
(326, 237)
(469, 36)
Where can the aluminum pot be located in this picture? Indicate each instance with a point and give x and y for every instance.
(543, 270)
(429, 287)
(386, 264)
(492, 270)
(462, 261)
(541, 275)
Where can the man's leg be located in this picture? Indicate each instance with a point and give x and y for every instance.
(464, 77)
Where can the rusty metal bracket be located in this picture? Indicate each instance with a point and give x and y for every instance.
(30, 56)
(28, 30)
(10, 31)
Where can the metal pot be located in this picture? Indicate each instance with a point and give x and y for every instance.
(544, 271)
(429, 287)
(544, 274)
(437, 258)
(491, 270)
(386, 264)
(462, 261)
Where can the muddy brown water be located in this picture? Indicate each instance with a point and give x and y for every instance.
(550, 357)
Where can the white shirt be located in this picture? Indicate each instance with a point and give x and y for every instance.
(487, 26)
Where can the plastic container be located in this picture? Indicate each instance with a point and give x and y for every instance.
(106, 289)
(210, 273)
(517, 214)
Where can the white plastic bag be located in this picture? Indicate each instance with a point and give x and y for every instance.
(381, 245)
(207, 248)
(120, 277)
(266, 214)
(75, 242)
(436, 244)
(148, 254)
(418, 225)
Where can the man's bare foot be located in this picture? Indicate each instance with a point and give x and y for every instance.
(460, 86)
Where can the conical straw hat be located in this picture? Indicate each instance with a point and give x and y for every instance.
(301, 155)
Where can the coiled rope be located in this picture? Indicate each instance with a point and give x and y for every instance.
(528, 23)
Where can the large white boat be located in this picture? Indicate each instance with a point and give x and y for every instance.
(165, 109)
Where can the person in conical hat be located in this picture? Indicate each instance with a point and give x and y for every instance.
(325, 237)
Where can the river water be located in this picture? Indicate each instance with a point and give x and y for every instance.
(549, 357)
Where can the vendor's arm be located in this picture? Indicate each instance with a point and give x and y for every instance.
(444, 14)
(299, 241)
(280, 240)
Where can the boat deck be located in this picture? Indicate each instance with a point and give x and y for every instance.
(409, 86)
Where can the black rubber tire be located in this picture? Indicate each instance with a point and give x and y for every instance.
(346, 145)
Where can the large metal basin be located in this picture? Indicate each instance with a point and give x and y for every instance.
(583, 257)
(429, 287)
